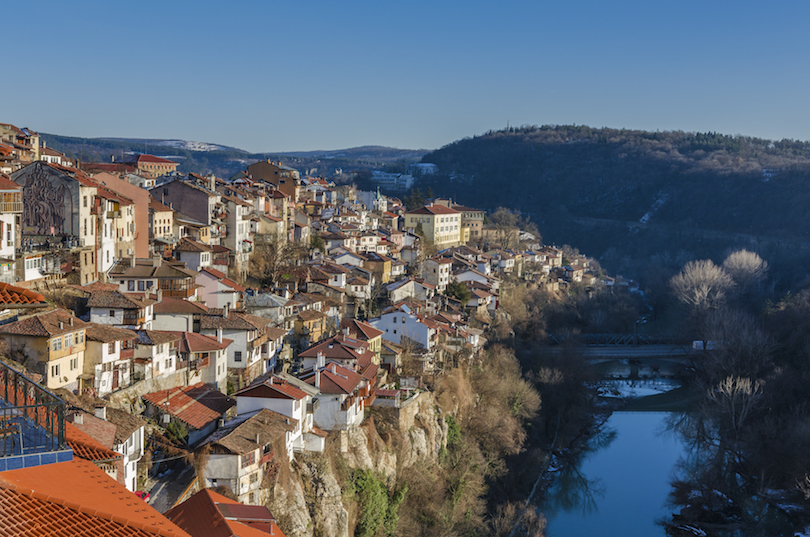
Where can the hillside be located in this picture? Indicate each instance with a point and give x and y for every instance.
(223, 161)
(679, 191)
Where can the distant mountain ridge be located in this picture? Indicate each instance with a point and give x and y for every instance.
(224, 161)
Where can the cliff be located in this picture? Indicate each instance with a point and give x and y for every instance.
(316, 497)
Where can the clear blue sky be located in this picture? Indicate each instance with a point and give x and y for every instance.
(305, 75)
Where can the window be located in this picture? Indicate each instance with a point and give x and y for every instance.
(54, 370)
(74, 364)
(57, 344)
(141, 285)
(248, 459)
(111, 347)
(68, 340)
(80, 337)
(112, 313)
(84, 201)
(168, 363)
(237, 356)
(254, 477)
(131, 285)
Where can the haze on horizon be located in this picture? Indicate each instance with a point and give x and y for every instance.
(267, 76)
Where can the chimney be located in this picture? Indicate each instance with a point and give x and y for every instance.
(132, 261)
(346, 331)
(78, 419)
(157, 261)
(321, 361)
(257, 438)
(220, 423)
(70, 321)
(225, 310)
(61, 325)
(160, 295)
(219, 335)
(101, 412)
(212, 183)
(112, 158)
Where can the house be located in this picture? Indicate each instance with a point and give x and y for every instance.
(197, 407)
(288, 397)
(11, 209)
(472, 222)
(339, 403)
(139, 211)
(438, 224)
(250, 352)
(436, 271)
(108, 357)
(152, 166)
(172, 279)
(125, 310)
(217, 290)
(51, 344)
(178, 314)
(352, 328)
(195, 255)
(208, 514)
(410, 288)
(244, 449)
(115, 429)
(287, 180)
(401, 326)
(156, 354)
(343, 350)
(310, 326)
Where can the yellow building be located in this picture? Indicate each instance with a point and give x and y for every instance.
(440, 225)
(51, 344)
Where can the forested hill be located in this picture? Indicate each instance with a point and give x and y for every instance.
(687, 181)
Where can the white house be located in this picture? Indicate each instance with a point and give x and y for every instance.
(108, 357)
(125, 310)
(400, 325)
(218, 290)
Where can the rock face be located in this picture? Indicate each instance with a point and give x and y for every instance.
(311, 502)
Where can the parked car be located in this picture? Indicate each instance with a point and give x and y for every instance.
(142, 494)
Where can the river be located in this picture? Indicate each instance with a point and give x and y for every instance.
(621, 484)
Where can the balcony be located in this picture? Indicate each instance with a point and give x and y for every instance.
(114, 214)
(32, 421)
(11, 207)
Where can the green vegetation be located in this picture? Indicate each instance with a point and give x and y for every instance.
(379, 509)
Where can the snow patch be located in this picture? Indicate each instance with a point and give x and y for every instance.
(662, 199)
(192, 146)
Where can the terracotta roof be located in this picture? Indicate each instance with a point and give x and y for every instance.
(86, 447)
(272, 388)
(360, 330)
(153, 159)
(106, 333)
(12, 296)
(208, 514)
(77, 499)
(196, 405)
(8, 184)
(311, 315)
(335, 379)
(45, 324)
(157, 206)
(194, 342)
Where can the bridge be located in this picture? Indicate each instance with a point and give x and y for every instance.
(623, 346)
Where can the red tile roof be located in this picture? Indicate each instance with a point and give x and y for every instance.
(12, 296)
(196, 405)
(208, 514)
(86, 447)
(336, 379)
(153, 159)
(360, 330)
(434, 209)
(76, 499)
(272, 388)
(8, 184)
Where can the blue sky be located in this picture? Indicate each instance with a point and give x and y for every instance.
(307, 75)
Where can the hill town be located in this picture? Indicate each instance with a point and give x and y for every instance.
(209, 342)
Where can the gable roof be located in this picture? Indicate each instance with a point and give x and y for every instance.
(196, 405)
(75, 498)
(107, 334)
(12, 296)
(170, 304)
(49, 324)
(360, 330)
(272, 388)
(335, 379)
(434, 209)
(240, 434)
(208, 514)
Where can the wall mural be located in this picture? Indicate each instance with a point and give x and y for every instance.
(48, 202)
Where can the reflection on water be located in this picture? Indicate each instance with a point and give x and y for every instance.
(621, 483)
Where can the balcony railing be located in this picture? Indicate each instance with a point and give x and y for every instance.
(32, 419)
(11, 207)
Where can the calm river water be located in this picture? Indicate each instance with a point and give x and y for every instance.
(622, 483)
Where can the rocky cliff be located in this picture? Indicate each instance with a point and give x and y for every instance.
(315, 497)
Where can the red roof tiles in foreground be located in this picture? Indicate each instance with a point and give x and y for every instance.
(196, 405)
(86, 447)
(208, 514)
(78, 499)
(17, 297)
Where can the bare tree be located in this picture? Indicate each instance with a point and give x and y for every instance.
(741, 346)
(702, 286)
(745, 268)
